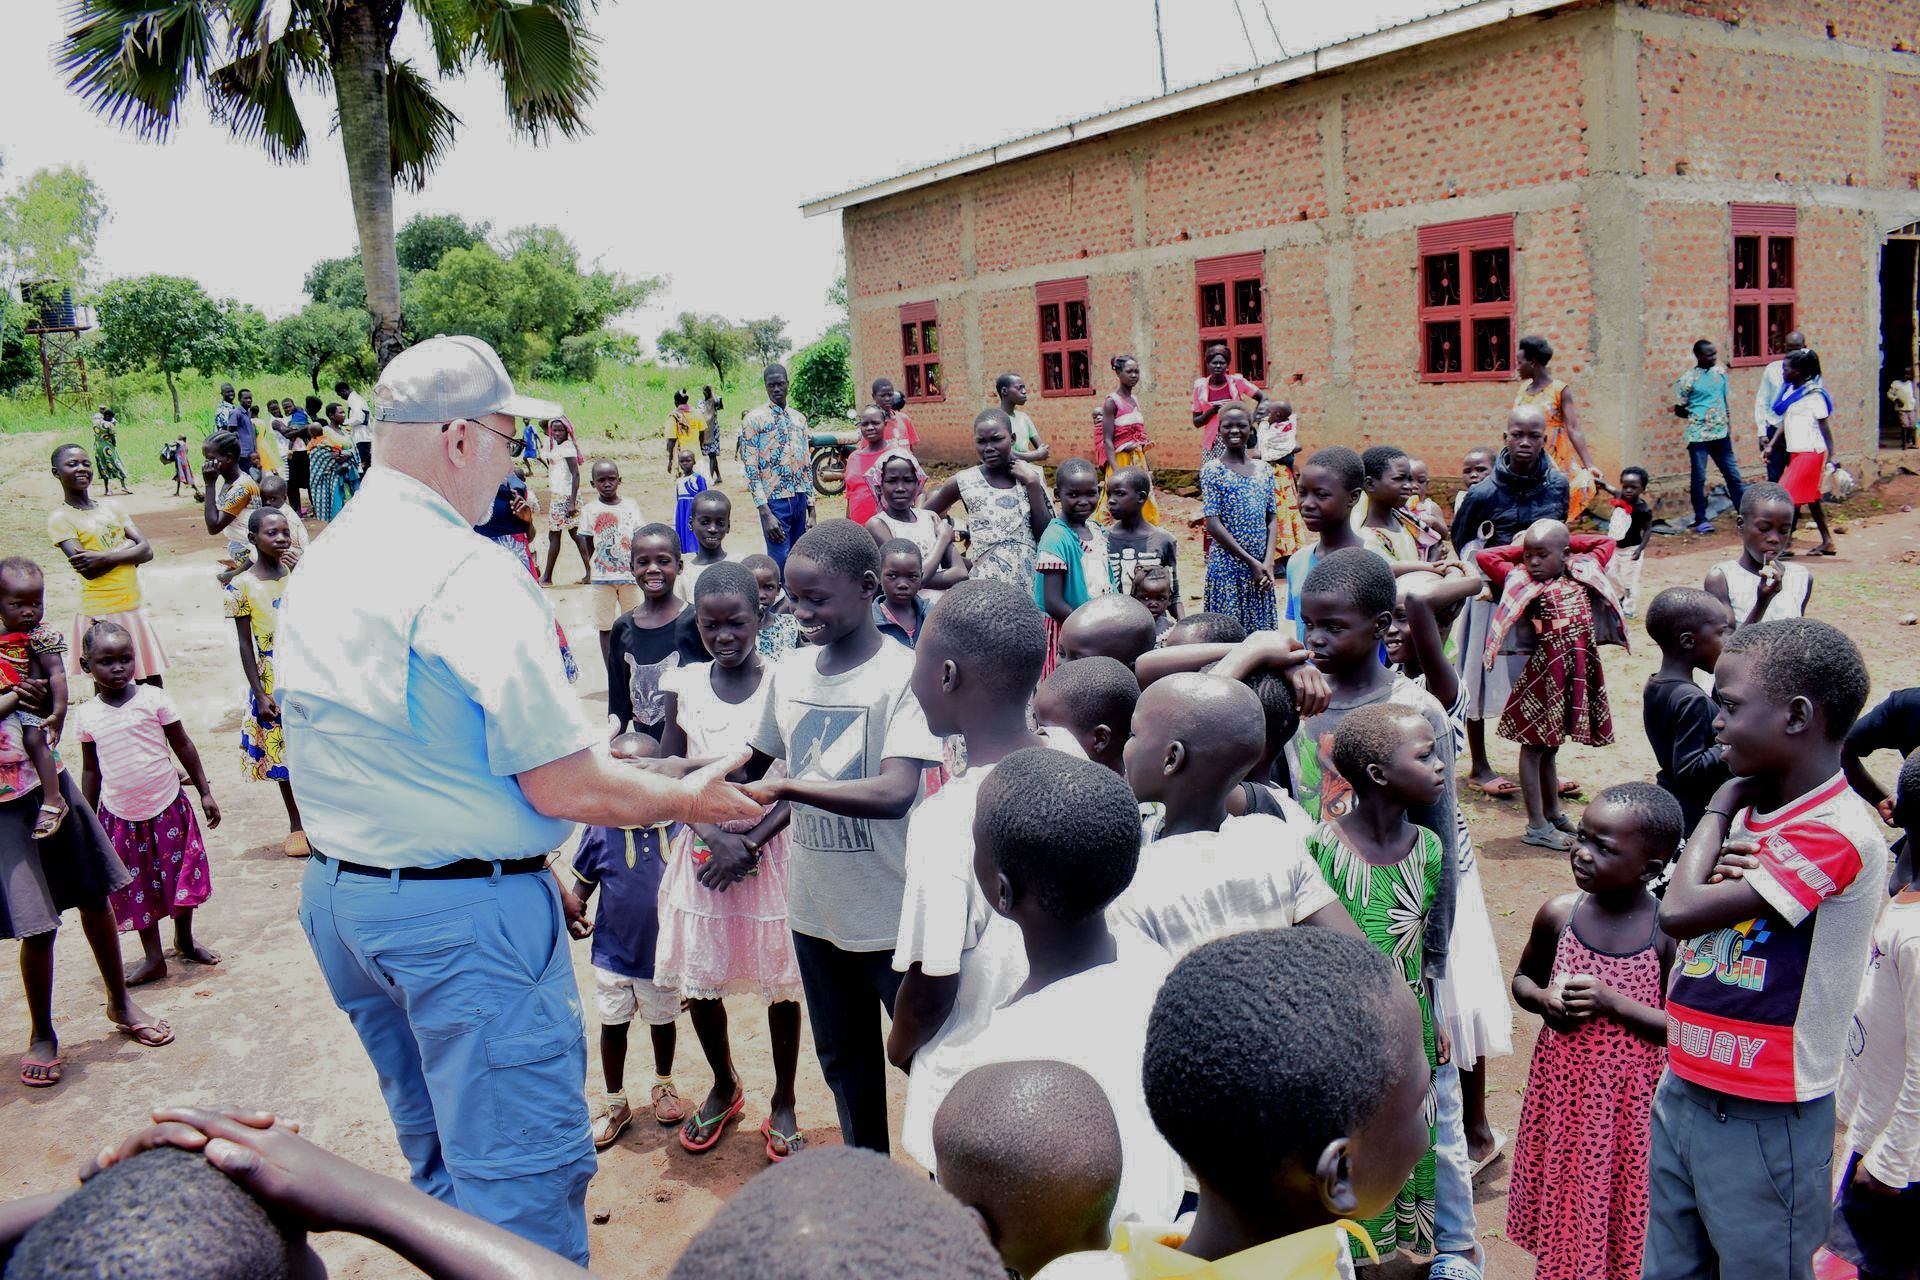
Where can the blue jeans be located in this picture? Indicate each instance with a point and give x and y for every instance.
(1454, 1229)
(845, 992)
(1721, 452)
(791, 512)
(1736, 1188)
(463, 994)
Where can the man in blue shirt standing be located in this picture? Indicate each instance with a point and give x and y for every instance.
(439, 755)
(1700, 397)
(238, 418)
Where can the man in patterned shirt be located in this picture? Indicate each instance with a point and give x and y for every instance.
(773, 450)
(1700, 396)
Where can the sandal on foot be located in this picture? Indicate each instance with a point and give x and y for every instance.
(1499, 1146)
(49, 1072)
(51, 816)
(1548, 837)
(610, 1124)
(793, 1142)
(1562, 822)
(296, 845)
(1497, 787)
(667, 1107)
(1568, 790)
(150, 1034)
(707, 1132)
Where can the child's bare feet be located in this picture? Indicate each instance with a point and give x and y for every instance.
(41, 1066)
(131, 1020)
(192, 952)
(151, 969)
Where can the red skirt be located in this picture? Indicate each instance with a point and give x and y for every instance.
(1802, 477)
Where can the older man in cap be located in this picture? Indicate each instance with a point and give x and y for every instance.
(438, 755)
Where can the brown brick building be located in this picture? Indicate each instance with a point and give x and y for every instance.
(1371, 226)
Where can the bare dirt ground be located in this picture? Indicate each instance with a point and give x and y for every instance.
(260, 1029)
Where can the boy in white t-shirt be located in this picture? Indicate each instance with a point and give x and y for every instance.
(712, 521)
(1056, 840)
(1204, 875)
(974, 673)
(607, 525)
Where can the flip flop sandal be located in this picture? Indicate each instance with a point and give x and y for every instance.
(609, 1125)
(51, 1070)
(1499, 788)
(795, 1142)
(1568, 790)
(41, 830)
(134, 1031)
(1499, 1148)
(1548, 837)
(710, 1130)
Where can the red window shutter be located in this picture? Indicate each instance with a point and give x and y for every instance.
(1494, 230)
(1233, 266)
(1764, 219)
(920, 351)
(1464, 299)
(1761, 297)
(1066, 337)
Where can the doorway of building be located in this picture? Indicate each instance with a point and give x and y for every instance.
(1899, 325)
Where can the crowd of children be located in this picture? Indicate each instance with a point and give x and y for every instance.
(1175, 918)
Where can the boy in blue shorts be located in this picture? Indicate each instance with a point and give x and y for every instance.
(625, 864)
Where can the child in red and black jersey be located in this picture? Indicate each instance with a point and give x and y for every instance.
(1773, 902)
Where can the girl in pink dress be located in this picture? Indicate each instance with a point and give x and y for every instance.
(723, 898)
(1595, 968)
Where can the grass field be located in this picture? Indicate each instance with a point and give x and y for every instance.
(625, 405)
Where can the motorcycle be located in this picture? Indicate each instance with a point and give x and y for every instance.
(828, 467)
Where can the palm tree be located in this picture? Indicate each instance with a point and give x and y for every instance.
(136, 61)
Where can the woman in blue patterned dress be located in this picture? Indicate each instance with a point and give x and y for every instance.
(1240, 506)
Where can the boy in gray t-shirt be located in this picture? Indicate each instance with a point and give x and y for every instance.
(842, 715)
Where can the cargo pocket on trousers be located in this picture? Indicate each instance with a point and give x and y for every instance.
(435, 974)
(536, 1081)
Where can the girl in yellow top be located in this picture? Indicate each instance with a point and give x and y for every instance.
(253, 602)
(683, 430)
(103, 547)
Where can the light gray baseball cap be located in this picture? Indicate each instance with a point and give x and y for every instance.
(445, 378)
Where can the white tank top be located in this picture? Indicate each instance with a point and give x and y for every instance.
(924, 532)
(1743, 588)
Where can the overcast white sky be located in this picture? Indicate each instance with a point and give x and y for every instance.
(715, 121)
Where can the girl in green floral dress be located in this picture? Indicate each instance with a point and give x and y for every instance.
(1386, 871)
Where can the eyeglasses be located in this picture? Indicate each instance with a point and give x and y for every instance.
(516, 445)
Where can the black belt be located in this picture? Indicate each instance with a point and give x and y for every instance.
(465, 869)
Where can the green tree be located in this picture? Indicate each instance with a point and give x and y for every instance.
(316, 336)
(427, 236)
(246, 334)
(339, 281)
(466, 293)
(137, 62)
(704, 340)
(823, 380)
(767, 339)
(160, 322)
(48, 227)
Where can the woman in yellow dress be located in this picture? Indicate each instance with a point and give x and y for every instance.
(1566, 444)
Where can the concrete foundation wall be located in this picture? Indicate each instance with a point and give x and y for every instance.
(1617, 134)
